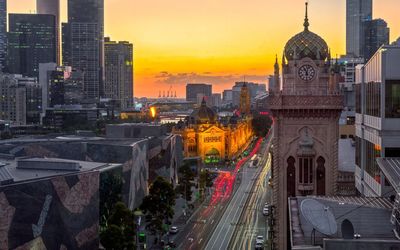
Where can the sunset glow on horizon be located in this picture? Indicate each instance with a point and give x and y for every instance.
(217, 42)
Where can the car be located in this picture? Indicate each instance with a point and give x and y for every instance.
(259, 245)
(171, 244)
(266, 211)
(260, 239)
(173, 230)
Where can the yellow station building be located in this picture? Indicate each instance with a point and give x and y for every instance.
(213, 139)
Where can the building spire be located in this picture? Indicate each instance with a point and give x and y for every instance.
(276, 65)
(283, 59)
(306, 23)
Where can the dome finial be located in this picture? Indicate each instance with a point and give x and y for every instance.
(306, 23)
(203, 102)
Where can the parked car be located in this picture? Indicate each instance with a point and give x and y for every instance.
(259, 245)
(171, 244)
(173, 230)
(266, 211)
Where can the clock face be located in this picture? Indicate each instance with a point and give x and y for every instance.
(306, 73)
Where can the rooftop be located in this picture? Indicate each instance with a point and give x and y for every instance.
(370, 218)
(12, 171)
(391, 169)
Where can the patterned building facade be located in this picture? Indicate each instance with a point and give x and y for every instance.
(306, 114)
(214, 140)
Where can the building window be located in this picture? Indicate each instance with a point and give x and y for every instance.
(212, 139)
(358, 151)
(192, 148)
(373, 99)
(321, 176)
(373, 151)
(392, 152)
(392, 99)
(291, 177)
(306, 170)
(358, 98)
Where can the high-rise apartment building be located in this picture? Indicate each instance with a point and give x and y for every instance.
(60, 86)
(376, 34)
(52, 7)
(13, 105)
(31, 40)
(377, 119)
(357, 11)
(216, 100)
(3, 33)
(83, 43)
(118, 84)
(193, 90)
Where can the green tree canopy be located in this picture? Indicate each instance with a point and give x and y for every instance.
(261, 125)
(159, 205)
(120, 231)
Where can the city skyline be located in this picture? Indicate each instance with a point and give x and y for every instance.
(210, 45)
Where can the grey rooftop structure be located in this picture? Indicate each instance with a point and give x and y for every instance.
(28, 169)
(370, 218)
(391, 169)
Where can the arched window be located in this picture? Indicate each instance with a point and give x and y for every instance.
(306, 169)
(320, 176)
(291, 177)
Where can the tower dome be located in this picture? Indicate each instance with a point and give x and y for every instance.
(204, 114)
(306, 44)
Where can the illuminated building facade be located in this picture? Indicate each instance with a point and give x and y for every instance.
(211, 139)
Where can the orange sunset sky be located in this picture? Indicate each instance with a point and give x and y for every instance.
(217, 41)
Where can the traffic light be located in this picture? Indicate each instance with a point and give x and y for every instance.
(142, 238)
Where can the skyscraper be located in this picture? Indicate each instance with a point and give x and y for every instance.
(376, 34)
(51, 7)
(194, 89)
(3, 32)
(357, 11)
(84, 44)
(118, 84)
(31, 40)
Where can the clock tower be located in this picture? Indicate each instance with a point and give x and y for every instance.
(306, 112)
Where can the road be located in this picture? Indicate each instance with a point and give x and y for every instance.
(252, 222)
(213, 226)
(243, 219)
(222, 235)
(200, 227)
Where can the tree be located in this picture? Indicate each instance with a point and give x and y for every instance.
(261, 125)
(121, 228)
(159, 205)
(186, 184)
(205, 180)
(110, 194)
